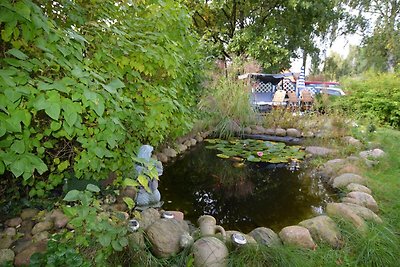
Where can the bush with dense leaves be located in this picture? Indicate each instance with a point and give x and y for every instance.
(83, 83)
(373, 96)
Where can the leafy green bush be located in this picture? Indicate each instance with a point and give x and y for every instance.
(83, 83)
(373, 96)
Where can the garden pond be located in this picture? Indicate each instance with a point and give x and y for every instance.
(235, 182)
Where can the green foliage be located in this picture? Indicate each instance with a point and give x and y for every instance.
(373, 96)
(58, 253)
(93, 228)
(82, 84)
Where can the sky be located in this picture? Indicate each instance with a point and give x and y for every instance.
(341, 46)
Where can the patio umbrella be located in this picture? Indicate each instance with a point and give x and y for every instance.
(300, 83)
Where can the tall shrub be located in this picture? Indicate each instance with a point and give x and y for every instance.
(83, 83)
(374, 96)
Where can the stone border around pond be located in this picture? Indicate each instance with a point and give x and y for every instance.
(28, 233)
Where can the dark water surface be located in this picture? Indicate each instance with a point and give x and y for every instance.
(258, 194)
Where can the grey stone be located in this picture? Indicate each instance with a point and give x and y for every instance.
(266, 236)
(21, 244)
(193, 141)
(210, 252)
(165, 235)
(345, 179)
(199, 138)
(247, 130)
(280, 132)
(352, 141)
(293, 132)
(162, 157)
(59, 218)
(297, 236)
(270, 131)
(308, 134)
(257, 129)
(362, 199)
(148, 217)
(250, 240)
(41, 236)
(320, 151)
(42, 226)
(188, 143)
(29, 213)
(6, 255)
(341, 210)
(26, 227)
(323, 228)
(14, 222)
(170, 152)
(5, 241)
(181, 148)
(372, 154)
(23, 258)
(364, 212)
(10, 231)
(359, 188)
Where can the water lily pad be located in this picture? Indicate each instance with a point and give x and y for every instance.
(256, 150)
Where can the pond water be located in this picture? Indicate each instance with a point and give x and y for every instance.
(258, 194)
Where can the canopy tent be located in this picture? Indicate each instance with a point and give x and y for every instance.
(267, 78)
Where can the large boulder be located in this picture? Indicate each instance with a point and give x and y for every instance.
(364, 212)
(169, 152)
(6, 255)
(14, 222)
(148, 217)
(372, 154)
(165, 236)
(280, 132)
(320, 151)
(345, 179)
(250, 240)
(210, 252)
(59, 218)
(293, 132)
(362, 199)
(297, 236)
(359, 188)
(23, 258)
(266, 236)
(323, 228)
(42, 226)
(341, 210)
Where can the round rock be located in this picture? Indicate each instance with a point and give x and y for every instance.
(320, 151)
(41, 227)
(149, 216)
(280, 132)
(266, 236)
(347, 178)
(341, 210)
(362, 199)
(364, 212)
(297, 236)
(28, 213)
(323, 228)
(165, 236)
(359, 188)
(293, 132)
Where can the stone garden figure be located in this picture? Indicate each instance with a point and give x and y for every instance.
(145, 198)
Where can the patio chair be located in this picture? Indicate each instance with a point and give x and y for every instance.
(279, 99)
(293, 103)
(306, 99)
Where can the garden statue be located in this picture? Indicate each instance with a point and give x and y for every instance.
(145, 198)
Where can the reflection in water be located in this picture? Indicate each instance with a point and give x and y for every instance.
(241, 198)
